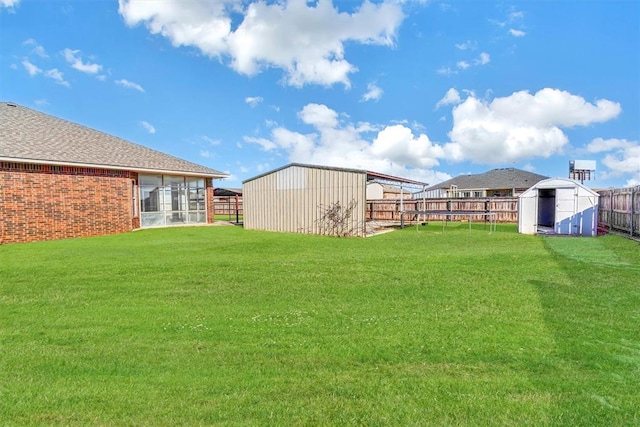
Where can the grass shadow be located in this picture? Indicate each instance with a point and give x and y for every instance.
(592, 310)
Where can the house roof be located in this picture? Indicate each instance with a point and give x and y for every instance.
(227, 191)
(493, 179)
(29, 136)
(386, 187)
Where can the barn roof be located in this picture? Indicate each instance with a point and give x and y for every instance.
(370, 175)
(553, 183)
(29, 136)
(493, 179)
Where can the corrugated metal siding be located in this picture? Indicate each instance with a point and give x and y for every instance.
(293, 199)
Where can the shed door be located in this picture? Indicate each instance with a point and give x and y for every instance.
(565, 211)
(546, 207)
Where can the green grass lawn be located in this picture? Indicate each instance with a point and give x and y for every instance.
(225, 326)
(228, 217)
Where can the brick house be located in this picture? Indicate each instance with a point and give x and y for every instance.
(503, 182)
(59, 180)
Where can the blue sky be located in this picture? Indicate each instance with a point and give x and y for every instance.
(422, 89)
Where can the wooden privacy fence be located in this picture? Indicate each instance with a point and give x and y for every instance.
(619, 209)
(226, 205)
(504, 208)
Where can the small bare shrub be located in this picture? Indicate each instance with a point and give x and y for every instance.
(336, 219)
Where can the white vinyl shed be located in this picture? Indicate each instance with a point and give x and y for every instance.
(558, 206)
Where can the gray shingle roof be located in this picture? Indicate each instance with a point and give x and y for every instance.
(493, 179)
(27, 135)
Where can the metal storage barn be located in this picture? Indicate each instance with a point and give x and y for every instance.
(295, 197)
(299, 198)
(558, 206)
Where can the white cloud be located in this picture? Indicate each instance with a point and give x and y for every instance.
(452, 97)
(446, 71)
(253, 101)
(76, 62)
(374, 93)
(318, 115)
(130, 85)
(263, 167)
(511, 18)
(468, 45)
(393, 149)
(57, 76)
(211, 141)
(41, 102)
(598, 145)
(32, 69)
(305, 40)
(517, 33)
(520, 126)
(623, 157)
(40, 51)
(9, 3)
(231, 178)
(625, 162)
(483, 59)
(205, 153)
(633, 182)
(37, 49)
(266, 144)
(398, 144)
(148, 127)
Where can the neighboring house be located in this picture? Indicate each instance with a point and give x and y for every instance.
(505, 182)
(377, 190)
(60, 180)
(227, 192)
(228, 201)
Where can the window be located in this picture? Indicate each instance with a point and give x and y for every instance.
(172, 200)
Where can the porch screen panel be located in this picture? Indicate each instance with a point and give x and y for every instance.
(172, 200)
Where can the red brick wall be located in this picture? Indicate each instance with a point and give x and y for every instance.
(42, 202)
(210, 204)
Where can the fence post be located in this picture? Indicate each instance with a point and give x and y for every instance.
(633, 194)
(237, 211)
(610, 209)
